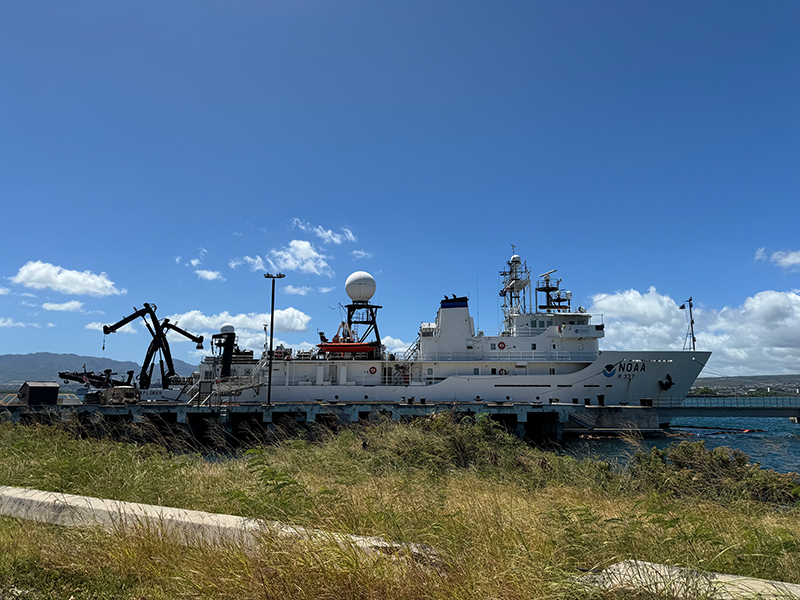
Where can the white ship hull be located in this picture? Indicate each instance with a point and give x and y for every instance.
(547, 353)
(634, 378)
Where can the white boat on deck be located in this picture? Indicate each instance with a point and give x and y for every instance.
(547, 353)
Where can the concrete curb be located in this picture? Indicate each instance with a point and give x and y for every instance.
(182, 525)
(677, 582)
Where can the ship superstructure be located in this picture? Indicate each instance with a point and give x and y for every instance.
(547, 352)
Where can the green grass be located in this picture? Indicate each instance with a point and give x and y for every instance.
(508, 520)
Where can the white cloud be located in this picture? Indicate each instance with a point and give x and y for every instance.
(5, 322)
(636, 321)
(359, 254)
(256, 263)
(762, 336)
(249, 327)
(298, 291)
(98, 326)
(328, 236)
(300, 256)
(4, 291)
(394, 345)
(72, 306)
(761, 254)
(325, 290)
(209, 275)
(787, 260)
(195, 262)
(39, 275)
(289, 319)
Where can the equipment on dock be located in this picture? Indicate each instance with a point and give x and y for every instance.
(98, 381)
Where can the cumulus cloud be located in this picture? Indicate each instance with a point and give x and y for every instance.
(328, 236)
(289, 319)
(761, 336)
(249, 327)
(209, 275)
(300, 256)
(40, 275)
(73, 306)
(98, 326)
(638, 321)
(394, 345)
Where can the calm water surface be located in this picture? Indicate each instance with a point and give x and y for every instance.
(777, 447)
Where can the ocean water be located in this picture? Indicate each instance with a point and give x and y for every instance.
(772, 442)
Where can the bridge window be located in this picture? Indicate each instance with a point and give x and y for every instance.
(476, 371)
(493, 346)
(494, 371)
(430, 371)
(533, 346)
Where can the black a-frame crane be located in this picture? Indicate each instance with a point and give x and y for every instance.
(158, 329)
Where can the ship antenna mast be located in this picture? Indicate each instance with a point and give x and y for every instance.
(690, 332)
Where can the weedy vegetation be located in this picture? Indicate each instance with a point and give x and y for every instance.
(508, 520)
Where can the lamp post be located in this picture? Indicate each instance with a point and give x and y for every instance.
(271, 329)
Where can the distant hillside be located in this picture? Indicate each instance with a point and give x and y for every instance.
(15, 369)
(788, 385)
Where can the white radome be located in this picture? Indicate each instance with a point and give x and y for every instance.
(360, 286)
(227, 328)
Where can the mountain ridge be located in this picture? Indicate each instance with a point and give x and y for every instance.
(15, 369)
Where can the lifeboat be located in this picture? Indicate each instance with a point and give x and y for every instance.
(346, 347)
(345, 342)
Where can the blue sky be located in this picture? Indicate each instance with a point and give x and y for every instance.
(172, 153)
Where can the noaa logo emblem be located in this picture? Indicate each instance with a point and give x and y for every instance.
(609, 370)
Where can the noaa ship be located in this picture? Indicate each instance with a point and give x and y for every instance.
(547, 353)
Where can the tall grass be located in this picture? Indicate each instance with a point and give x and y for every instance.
(508, 520)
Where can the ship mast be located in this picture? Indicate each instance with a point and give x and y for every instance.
(516, 280)
(691, 325)
(555, 299)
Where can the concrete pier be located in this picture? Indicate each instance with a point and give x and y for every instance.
(538, 422)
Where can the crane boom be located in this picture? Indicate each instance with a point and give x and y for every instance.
(158, 331)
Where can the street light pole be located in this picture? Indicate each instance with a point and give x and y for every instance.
(271, 329)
